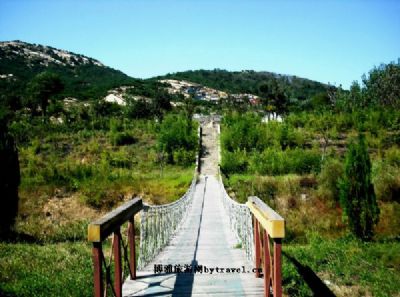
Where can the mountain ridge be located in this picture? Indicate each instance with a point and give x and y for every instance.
(87, 78)
(250, 81)
(84, 77)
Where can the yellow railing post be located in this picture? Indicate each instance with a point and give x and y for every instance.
(273, 226)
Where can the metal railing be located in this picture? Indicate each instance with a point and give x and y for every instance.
(158, 223)
(240, 220)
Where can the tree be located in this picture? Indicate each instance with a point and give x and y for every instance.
(175, 136)
(357, 195)
(42, 88)
(137, 108)
(320, 101)
(383, 85)
(9, 176)
(274, 94)
(160, 104)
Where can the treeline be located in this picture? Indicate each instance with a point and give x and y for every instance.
(380, 88)
(249, 81)
(250, 146)
(284, 94)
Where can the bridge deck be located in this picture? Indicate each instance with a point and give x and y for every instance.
(205, 239)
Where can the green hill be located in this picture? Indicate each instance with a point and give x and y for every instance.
(82, 76)
(249, 81)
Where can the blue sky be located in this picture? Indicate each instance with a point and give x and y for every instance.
(329, 41)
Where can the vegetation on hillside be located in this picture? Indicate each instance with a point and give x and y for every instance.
(249, 81)
(82, 80)
(340, 160)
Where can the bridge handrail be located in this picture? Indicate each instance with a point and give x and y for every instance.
(98, 231)
(249, 221)
(270, 220)
(159, 222)
(240, 221)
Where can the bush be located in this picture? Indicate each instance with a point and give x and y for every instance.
(184, 157)
(328, 179)
(270, 161)
(122, 138)
(277, 162)
(177, 133)
(386, 180)
(392, 156)
(304, 161)
(234, 162)
(242, 132)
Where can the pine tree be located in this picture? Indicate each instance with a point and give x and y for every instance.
(357, 195)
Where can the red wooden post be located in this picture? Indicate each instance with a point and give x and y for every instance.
(277, 267)
(267, 265)
(117, 263)
(132, 251)
(97, 255)
(257, 246)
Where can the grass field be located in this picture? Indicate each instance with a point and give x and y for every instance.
(344, 267)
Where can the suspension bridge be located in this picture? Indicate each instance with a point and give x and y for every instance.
(204, 244)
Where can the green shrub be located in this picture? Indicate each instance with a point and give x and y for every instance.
(99, 194)
(277, 162)
(234, 162)
(303, 161)
(184, 157)
(270, 162)
(392, 156)
(328, 179)
(176, 133)
(241, 132)
(122, 138)
(386, 180)
(119, 159)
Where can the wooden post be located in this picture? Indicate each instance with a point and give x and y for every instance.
(117, 263)
(97, 255)
(277, 267)
(267, 265)
(257, 246)
(132, 251)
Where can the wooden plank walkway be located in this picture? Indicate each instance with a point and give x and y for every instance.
(205, 239)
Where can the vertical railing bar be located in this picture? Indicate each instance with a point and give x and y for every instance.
(267, 265)
(132, 248)
(117, 263)
(257, 246)
(97, 255)
(277, 285)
